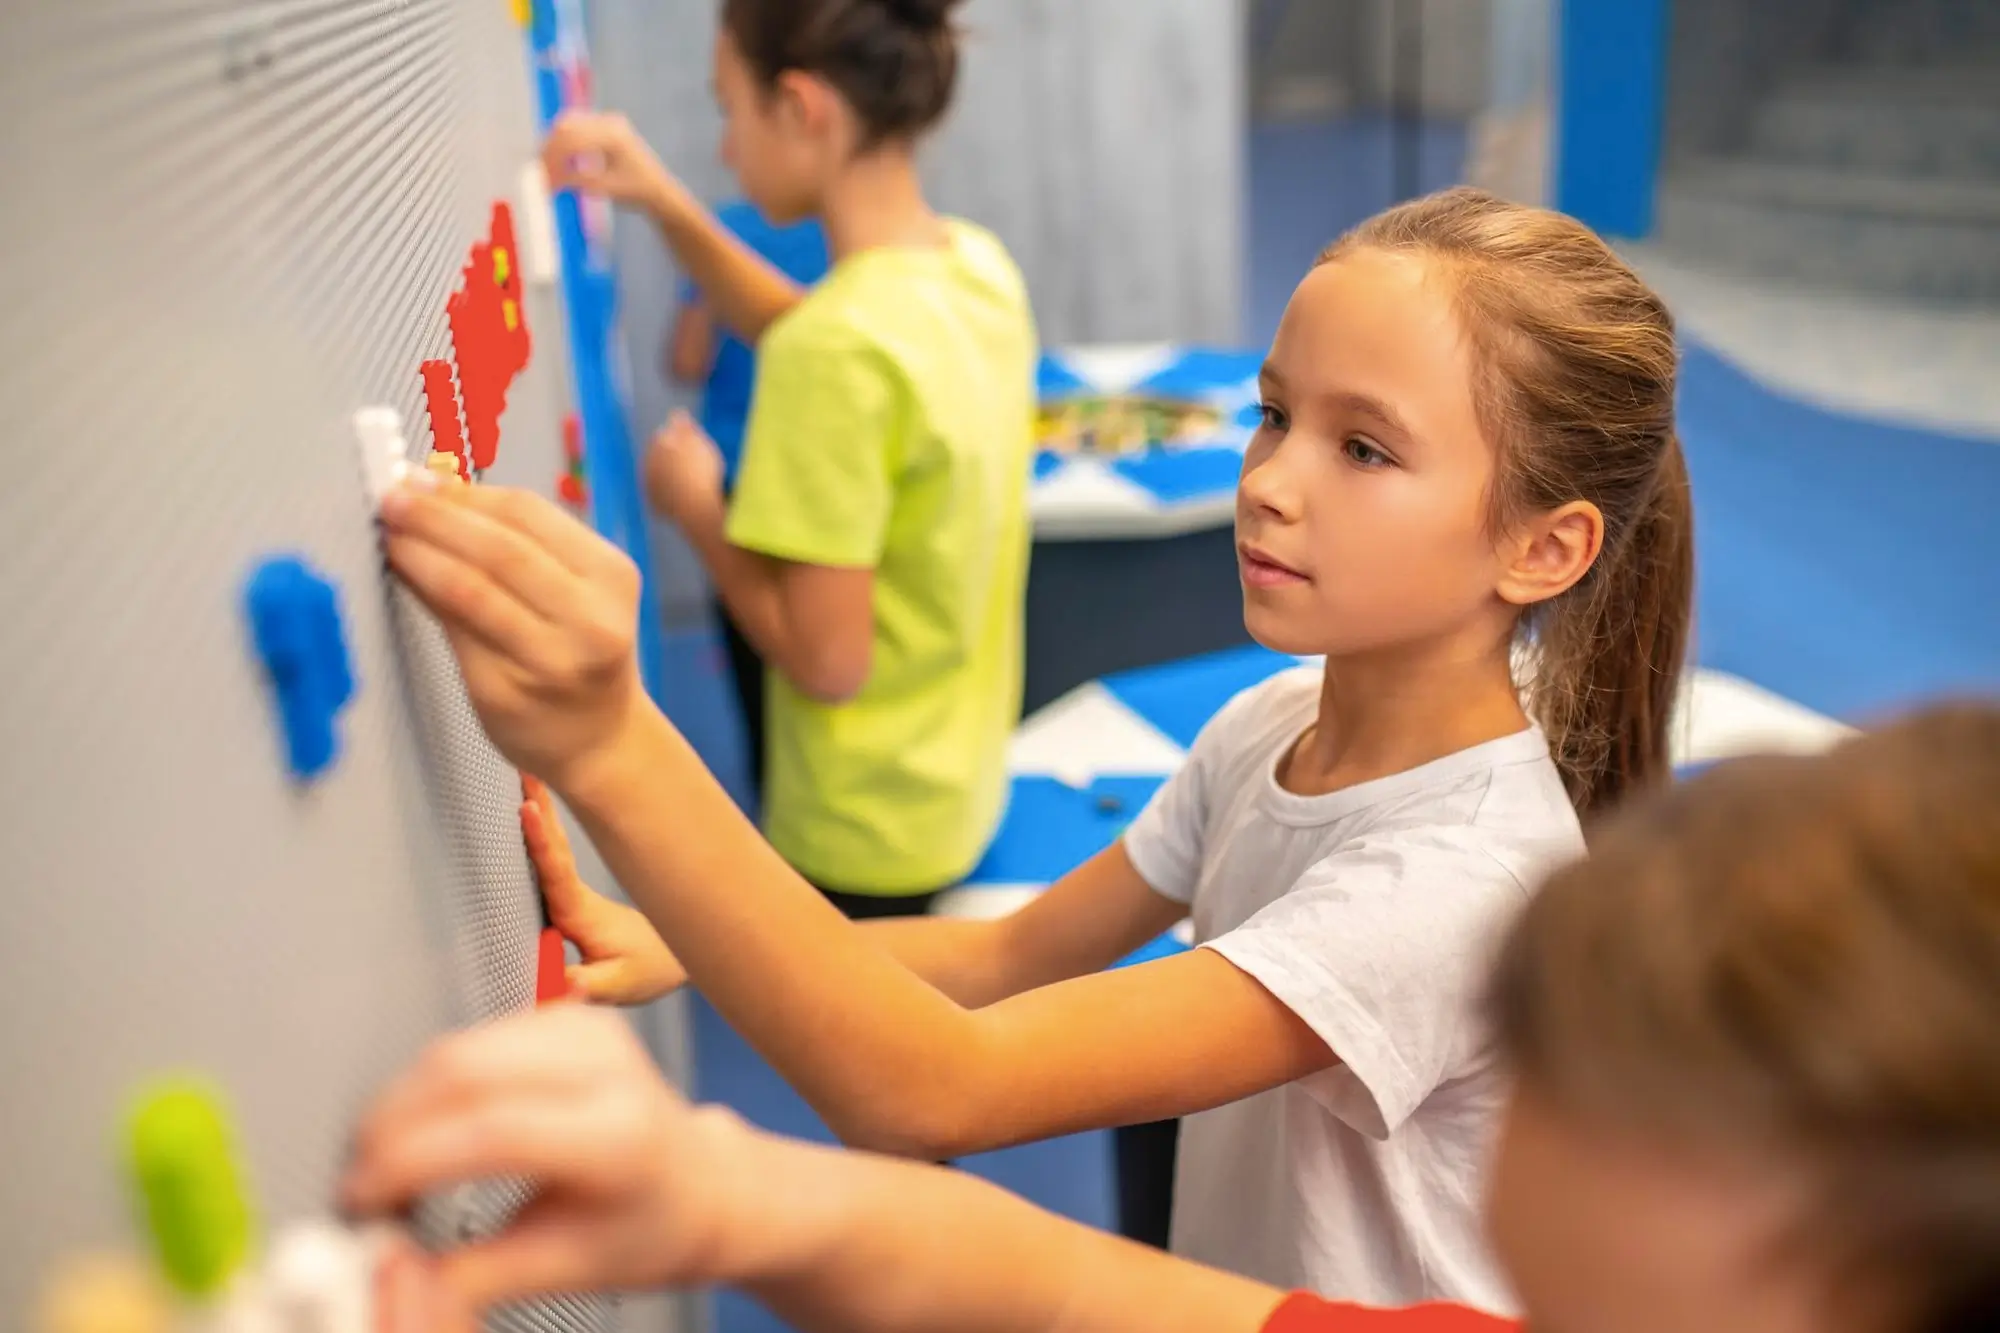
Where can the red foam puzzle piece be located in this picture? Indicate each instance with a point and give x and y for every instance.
(441, 398)
(489, 333)
(551, 972)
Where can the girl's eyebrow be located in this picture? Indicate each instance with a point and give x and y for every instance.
(1267, 374)
(1363, 405)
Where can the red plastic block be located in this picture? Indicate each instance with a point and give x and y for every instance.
(441, 397)
(489, 332)
(551, 978)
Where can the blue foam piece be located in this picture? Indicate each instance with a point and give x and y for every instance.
(1203, 372)
(1177, 475)
(295, 626)
(1180, 697)
(1053, 379)
(1847, 564)
(1047, 463)
(1051, 828)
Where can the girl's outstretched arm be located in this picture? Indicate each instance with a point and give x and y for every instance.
(542, 613)
(1086, 921)
(639, 1190)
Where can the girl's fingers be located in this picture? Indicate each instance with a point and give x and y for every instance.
(467, 522)
(564, 537)
(540, 1254)
(599, 983)
(527, 1133)
(526, 1057)
(467, 602)
(554, 866)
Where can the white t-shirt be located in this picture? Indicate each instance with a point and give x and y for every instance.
(1373, 914)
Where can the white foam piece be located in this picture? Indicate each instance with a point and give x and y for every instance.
(1722, 716)
(541, 257)
(384, 452)
(1118, 367)
(1085, 500)
(1088, 734)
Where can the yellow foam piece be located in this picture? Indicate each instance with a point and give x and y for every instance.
(102, 1294)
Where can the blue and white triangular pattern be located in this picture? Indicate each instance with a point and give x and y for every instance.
(1161, 490)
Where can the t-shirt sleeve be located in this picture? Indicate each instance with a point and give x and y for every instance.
(818, 479)
(1382, 948)
(1303, 1312)
(1165, 842)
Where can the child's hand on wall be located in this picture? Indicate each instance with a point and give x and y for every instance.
(542, 614)
(636, 1188)
(600, 153)
(624, 959)
(684, 472)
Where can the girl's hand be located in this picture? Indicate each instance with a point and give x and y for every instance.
(600, 153)
(636, 1188)
(541, 612)
(684, 472)
(624, 959)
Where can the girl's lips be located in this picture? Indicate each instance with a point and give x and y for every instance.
(1260, 571)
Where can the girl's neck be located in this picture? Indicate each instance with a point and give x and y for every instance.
(877, 202)
(1388, 712)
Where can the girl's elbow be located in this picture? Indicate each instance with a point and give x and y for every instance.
(923, 1130)
(831, 677)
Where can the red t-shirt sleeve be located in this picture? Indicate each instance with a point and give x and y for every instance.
(1306, 1313)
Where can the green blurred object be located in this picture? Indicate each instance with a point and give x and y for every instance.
(184, 1166)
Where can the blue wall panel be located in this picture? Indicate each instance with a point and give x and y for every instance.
(1611, 102)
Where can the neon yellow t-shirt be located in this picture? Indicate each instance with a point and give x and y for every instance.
(890, 429)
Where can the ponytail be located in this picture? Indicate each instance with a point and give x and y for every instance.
(1610, 654)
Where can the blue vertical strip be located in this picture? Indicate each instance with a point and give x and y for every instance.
(611, 465)
(1610, 106)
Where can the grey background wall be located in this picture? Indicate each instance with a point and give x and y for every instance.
(1323, 56)
(1103, 140)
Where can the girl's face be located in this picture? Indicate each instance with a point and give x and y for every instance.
(777, 140)
(1602, 1233)
(1361, 515)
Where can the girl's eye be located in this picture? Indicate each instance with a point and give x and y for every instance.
(1365, 453)
(1274, 417)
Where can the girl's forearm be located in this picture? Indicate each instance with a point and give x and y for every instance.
(854, 1242)
(742, 289)
(887, 1059)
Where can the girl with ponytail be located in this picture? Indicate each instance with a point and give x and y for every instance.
(1466, 470)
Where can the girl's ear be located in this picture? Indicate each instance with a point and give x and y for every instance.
(1548, 555)
(805, 104)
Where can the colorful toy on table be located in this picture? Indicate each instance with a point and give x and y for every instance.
(1123, 423)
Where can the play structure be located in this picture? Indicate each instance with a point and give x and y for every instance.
(259, 260)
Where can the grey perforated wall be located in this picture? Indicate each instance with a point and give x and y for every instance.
(224, 227)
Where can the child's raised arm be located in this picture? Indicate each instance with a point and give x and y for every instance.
(541, 613)
(601, 154)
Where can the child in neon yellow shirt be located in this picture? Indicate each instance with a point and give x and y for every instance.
(875, 548)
